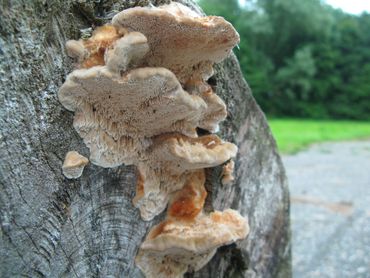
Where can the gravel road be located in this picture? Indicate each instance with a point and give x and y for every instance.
(330, 210)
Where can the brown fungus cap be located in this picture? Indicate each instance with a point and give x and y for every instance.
(142, 103)
(74, 164)
(204, 233)
(228, 173)
(178, 38)
(155, 265)
(173, 162)
(127, 51)
(177, 243)
(179, 153)
(90, 52)
(156, 187)
(152, 190)
(188, 202)
(215, 113)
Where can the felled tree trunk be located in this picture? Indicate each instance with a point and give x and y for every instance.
(55, 227)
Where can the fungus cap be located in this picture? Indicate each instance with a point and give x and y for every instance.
(175, 247)
(156, 187)
(112, 110)
(74, 164)
(144, 102)
(76, 49)
(156, 265)
(178, 38)
(90, 52)
(204, 233)
(173, 162)
(215, 113)
(180, 153)
(127, 51)
(187, 203)
(228, 173)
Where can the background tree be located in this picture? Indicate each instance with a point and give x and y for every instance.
(302, 58)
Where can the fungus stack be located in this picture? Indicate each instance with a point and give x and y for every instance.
(139, 94)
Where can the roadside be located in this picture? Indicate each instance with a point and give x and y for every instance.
(330, 210)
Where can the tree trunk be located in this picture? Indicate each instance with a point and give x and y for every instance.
(55, 227)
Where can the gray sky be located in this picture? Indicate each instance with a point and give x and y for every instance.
(351, 6)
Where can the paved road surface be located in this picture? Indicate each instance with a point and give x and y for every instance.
(330, 212)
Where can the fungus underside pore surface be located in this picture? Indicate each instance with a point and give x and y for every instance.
(139, 93)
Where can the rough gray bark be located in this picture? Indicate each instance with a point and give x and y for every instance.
(55, 227)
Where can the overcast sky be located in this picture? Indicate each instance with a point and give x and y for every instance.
(351, 6)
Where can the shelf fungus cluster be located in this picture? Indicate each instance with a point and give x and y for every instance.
(139, 94)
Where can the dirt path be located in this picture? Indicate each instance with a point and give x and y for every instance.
(330, 210)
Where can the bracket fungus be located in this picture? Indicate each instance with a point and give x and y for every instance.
(179, 39)
(174, 247)
(228, 173)
(74, 164)
(139, 93)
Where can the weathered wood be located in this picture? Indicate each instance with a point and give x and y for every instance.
(55, 227)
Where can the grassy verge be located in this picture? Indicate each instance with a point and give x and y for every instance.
(293, 135)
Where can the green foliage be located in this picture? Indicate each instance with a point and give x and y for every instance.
(293, 135)
(302, 58)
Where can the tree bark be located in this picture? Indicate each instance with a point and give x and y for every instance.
(55, 227)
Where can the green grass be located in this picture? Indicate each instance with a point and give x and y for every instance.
(293, 135)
